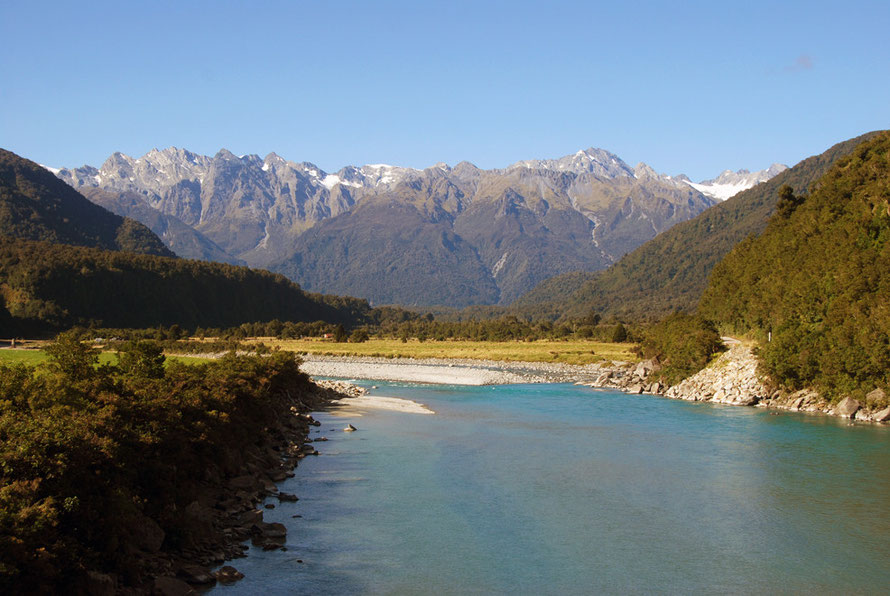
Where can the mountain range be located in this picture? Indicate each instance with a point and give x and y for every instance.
(440, 236)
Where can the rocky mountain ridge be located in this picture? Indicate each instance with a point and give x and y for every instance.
(443, 235)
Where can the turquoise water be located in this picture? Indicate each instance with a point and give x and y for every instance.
(557, 489)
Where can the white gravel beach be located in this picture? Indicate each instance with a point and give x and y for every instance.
(355, 406)
(447, 371)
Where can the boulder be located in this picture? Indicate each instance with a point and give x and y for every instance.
(170, 586)
(251, 518)
(749, 400)
(196, 575)
(99, 584)
(349, 428)
(882, 416)
(847, 408)
(274, 530)
(198, 512)
(636, 389)
(288, 497)
(644, 368)
(246, 482)
(876, 397)
(147, 535)
(228, 575)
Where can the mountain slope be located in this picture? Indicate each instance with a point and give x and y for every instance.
(671, 271)
(389, 251)
(818, 278)
(35, 205)
(182, 239)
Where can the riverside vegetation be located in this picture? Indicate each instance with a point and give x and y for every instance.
(816, 284)
(109, 473)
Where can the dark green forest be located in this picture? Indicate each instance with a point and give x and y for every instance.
(817, 280)
(47, 287)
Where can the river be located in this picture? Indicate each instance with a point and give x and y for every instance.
(558, 489)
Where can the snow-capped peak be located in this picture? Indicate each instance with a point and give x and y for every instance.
(730, 183)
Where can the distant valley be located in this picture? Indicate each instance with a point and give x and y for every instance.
(453, 236)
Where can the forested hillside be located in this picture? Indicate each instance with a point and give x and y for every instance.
(35, 205)
(818, 279)
(671, 271)
(51, 286)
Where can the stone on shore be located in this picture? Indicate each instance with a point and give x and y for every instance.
(196, 575)
(847, 408)
(148, 535)
(228, 575)
(246, 482)
(644, 368)
(875, 397)
(251, 518)
(882, 416)
(273, 530)
(171, 586)
(99, 584)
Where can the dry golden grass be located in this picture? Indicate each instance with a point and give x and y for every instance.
(568, 352)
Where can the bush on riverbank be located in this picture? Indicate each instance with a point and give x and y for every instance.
(98, 464)
(683, 344)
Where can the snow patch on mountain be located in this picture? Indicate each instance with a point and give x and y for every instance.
(729, 183)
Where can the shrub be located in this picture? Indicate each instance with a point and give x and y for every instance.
(683, 344)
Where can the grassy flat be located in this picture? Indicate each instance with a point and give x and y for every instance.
(567, 352)
(14, 356)
(31, 357)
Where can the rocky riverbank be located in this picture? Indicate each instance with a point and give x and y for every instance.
(227, 511)
(733, 379)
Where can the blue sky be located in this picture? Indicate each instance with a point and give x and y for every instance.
(691, 87)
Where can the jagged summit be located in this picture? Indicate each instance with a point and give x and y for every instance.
(598, 162)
